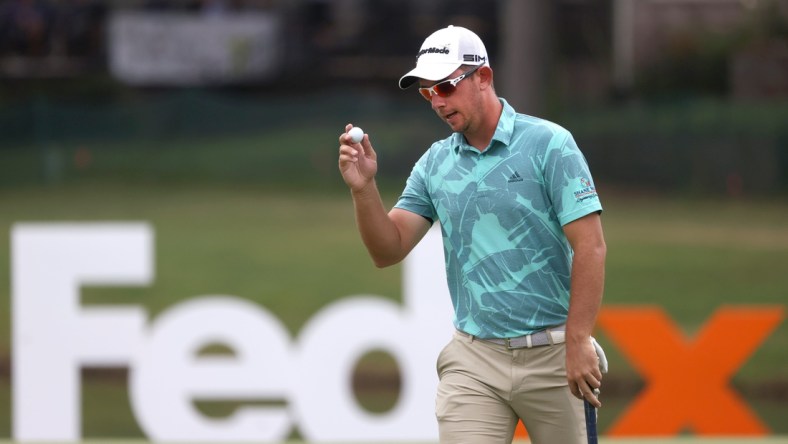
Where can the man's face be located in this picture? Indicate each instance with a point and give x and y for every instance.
(458, 109)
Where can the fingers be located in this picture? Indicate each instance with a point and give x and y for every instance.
(347, 150)
(368, 150)
(593, 398)
(349, 154)
(583, 388)
(345, 139)
(587, 390)
(353, 150)
(583, 372)
(588, 394)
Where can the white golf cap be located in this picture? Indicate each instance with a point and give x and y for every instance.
(443, 52)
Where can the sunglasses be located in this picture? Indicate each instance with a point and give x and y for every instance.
(446, 87)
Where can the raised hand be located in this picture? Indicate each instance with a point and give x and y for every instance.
(357, 161)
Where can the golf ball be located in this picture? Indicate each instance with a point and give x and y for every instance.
(356, 134)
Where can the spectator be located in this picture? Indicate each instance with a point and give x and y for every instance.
(26, 27)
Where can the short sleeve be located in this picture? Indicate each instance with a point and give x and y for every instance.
(415, 197)
(568, 179)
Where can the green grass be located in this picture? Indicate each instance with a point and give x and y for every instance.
(293, 252)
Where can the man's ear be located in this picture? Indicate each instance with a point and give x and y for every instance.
(485, 76)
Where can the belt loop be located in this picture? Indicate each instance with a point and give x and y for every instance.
(550, 337)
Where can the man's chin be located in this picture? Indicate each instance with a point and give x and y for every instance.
(455, 124)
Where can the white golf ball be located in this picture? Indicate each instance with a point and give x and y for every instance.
(356, 134)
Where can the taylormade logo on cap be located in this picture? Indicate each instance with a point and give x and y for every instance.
(433, 51)
(443, 52)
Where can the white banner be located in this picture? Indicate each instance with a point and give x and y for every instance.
(147, 48)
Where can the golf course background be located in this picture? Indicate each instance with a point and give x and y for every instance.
(245, 199)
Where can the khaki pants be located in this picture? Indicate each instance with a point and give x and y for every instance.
(484, 388)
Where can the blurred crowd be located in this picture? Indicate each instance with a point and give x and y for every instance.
(39, 28)
(208, 7)
(75, 28)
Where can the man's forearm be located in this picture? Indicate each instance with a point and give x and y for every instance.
(587, 287)
(378, 232)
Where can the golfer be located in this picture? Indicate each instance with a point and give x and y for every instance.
(523, 245)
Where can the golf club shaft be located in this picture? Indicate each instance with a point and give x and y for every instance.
(590, 412)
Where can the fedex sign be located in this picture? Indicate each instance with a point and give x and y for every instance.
(54, 336)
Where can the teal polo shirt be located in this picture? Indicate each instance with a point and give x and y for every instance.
(508, 262)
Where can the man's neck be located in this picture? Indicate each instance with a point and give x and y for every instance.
(491, 114)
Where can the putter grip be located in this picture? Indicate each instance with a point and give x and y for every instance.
(590, 412)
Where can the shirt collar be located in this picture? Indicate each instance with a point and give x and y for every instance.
(503, 131)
